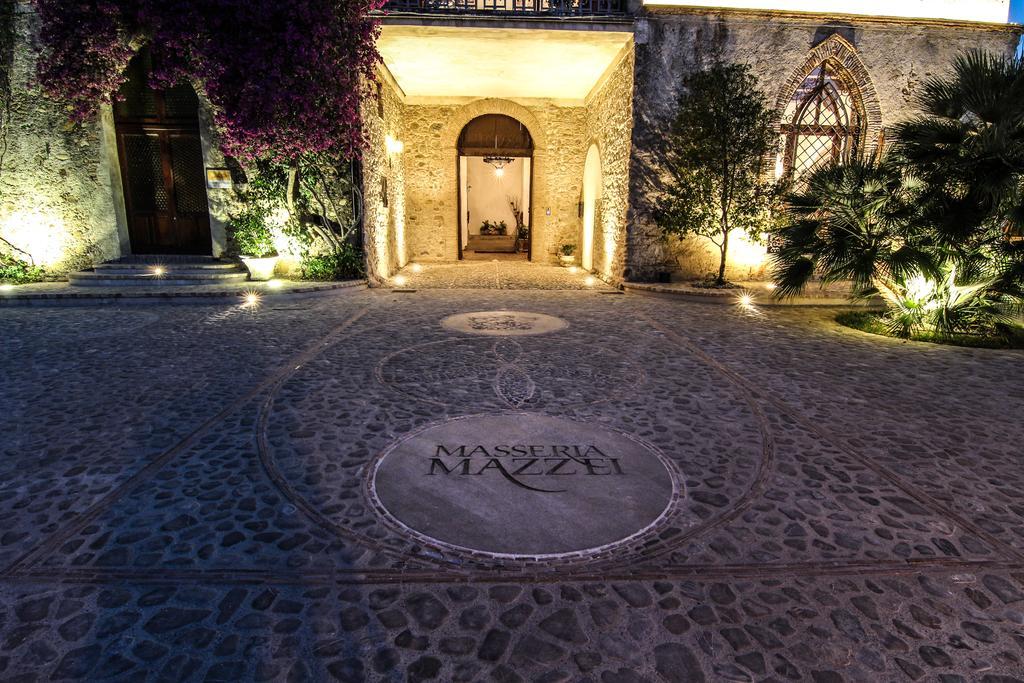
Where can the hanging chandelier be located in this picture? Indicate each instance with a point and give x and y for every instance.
(498, 162)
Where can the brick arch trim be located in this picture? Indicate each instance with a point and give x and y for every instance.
(841, 52)
(468, 112)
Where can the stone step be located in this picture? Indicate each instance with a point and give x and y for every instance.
(167, 271)
(165, 259)
(183, 267)
(106, 279)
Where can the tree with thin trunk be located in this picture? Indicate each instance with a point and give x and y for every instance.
(714, 160)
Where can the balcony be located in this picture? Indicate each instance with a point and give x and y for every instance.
(512, 8)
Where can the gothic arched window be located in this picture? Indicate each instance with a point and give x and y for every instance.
(822, 123)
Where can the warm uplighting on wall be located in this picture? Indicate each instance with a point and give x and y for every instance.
(609, 250)
(44, 236)
(745, 254)
(590, 281)
(401, 280)
(417, 268)
(393, 145)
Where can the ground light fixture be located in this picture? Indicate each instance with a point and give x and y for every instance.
(745, 300)
(589, 281)
(159, 271)
(401, 280)
(274, 284)
(417, 268)
(6, 287)
(251, 300)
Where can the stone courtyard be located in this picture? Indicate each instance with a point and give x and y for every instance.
(220, 492)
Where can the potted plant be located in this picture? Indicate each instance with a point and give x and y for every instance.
(488, 228)
(522, 232)
(255, 243)
(502, 228)
(522, 238)
(568, 255)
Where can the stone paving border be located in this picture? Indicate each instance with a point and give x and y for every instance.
(82, 296)
(758, 293)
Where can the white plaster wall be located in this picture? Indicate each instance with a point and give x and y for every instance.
(488, 194)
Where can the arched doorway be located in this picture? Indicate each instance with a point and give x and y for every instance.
(592, 180)
(495, 181)
(162, 168)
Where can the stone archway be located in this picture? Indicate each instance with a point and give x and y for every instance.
(500, 194)
(449, 141)
(592, 186)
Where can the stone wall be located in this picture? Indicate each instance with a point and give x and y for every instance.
(609, 126)
(431, 164)
(59, 182)
(385, 234)
(895, 58)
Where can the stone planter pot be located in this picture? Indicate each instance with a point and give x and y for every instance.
(567, 261)
(260, 268)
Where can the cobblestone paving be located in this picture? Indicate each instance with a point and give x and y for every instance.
(495, 274)
(183, 496)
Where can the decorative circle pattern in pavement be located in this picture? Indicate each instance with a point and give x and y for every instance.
(525, 373)
(520, 484)
(504, 323)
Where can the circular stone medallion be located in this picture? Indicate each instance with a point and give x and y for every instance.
(523, 485)
(504, 323)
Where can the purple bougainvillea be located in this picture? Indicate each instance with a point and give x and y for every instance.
(286, 77)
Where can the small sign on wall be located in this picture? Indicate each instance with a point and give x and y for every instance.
(218, 178)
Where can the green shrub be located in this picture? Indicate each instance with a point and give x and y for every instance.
(1007, 336)
(251, 233)
(345, 264)
(19, 273)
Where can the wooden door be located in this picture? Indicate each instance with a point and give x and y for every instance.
(162, 168)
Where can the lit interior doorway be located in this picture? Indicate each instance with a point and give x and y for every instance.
(495, 183)
(592, 177)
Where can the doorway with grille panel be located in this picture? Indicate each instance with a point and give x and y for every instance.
(162, 169)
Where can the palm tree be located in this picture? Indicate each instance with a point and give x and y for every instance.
(864, 222)
(851, 222)
(967, 149)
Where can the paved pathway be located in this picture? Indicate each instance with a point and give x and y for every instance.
(184, 496)
(494, 274)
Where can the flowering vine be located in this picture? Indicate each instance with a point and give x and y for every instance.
(285, 78)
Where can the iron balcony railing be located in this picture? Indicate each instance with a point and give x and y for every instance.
(558, 8)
